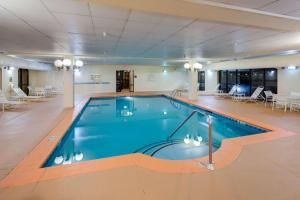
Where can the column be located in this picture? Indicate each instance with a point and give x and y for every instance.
(68, 79)
(9, 80)
(193, 84)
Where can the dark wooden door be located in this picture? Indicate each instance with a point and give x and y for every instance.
(23, 80)
(119, 81)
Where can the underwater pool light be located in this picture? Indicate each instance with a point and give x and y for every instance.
(187, 139)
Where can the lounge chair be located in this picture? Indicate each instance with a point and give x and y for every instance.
(39, 91)
(217, 90)
(254, 97)
(5, 102)
(22, 96)
(229, 94)
(269, 97)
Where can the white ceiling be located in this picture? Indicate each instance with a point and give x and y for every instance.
(284, 7)
(47, 29)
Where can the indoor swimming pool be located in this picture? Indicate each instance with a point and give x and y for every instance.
(157, 126)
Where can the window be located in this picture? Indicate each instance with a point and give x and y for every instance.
(201, 80)
(223, 80)
(248, 79)
(271, 80)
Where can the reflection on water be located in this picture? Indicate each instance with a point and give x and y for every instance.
(69, 159)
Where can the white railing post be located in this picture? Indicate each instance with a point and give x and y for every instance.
(209, 164)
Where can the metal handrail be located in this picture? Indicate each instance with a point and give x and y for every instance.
(209, 165)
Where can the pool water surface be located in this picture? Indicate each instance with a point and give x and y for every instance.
(117, 126)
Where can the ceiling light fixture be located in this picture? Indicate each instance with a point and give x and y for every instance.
(198, 66)
(187, 66)
(79, 63)
(292, 67)
(67, 64)
(193, 66)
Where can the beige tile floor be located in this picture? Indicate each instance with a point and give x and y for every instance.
(268, 170)
(21, 129)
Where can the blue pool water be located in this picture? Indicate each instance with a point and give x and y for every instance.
(117, 126)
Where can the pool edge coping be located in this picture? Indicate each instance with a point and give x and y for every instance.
(29, 169)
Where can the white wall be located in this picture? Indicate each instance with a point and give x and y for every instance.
(153, 79)
(0, 78)
(41, 78)
(211, 81)
(148, 78)
(288, 81)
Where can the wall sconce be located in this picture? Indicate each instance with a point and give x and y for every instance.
(67, 64)
(292, 67)
(8, 68)
(193, 66)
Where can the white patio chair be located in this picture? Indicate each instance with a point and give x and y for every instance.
(40, 91)
(217, 90)
(269, 97)
(254, 97)
(5, 102)
(31, 91)
(22, 96)
(294, 101)
(295, 106)
(230, 93)
(280, 102)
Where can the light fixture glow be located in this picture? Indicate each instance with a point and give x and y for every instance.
(197, 141)
(58, 63)
(187, 139)
(165, 113)
(292, 67)
(187, 65)
(77, 72)
(67, 62)
(198, 66)
(58, 160)
(79, 63)
(79, 156)
(104, 34)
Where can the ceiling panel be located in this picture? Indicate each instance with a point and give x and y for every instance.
(282, 6)
(143, 17)
(105, 23)
(109, 12)
(34, 10)
(75, 23)
(273, 6)
(295, 13)
(68, 26)
(67, 6)
(247, 3)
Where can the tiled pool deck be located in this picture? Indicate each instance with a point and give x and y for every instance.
(29, 170)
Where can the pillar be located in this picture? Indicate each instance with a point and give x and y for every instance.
(9, 79)
(68, 81)
(193, 84)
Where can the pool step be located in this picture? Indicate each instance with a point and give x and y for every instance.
(154, 149)
(154, 145)
(182, 151)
